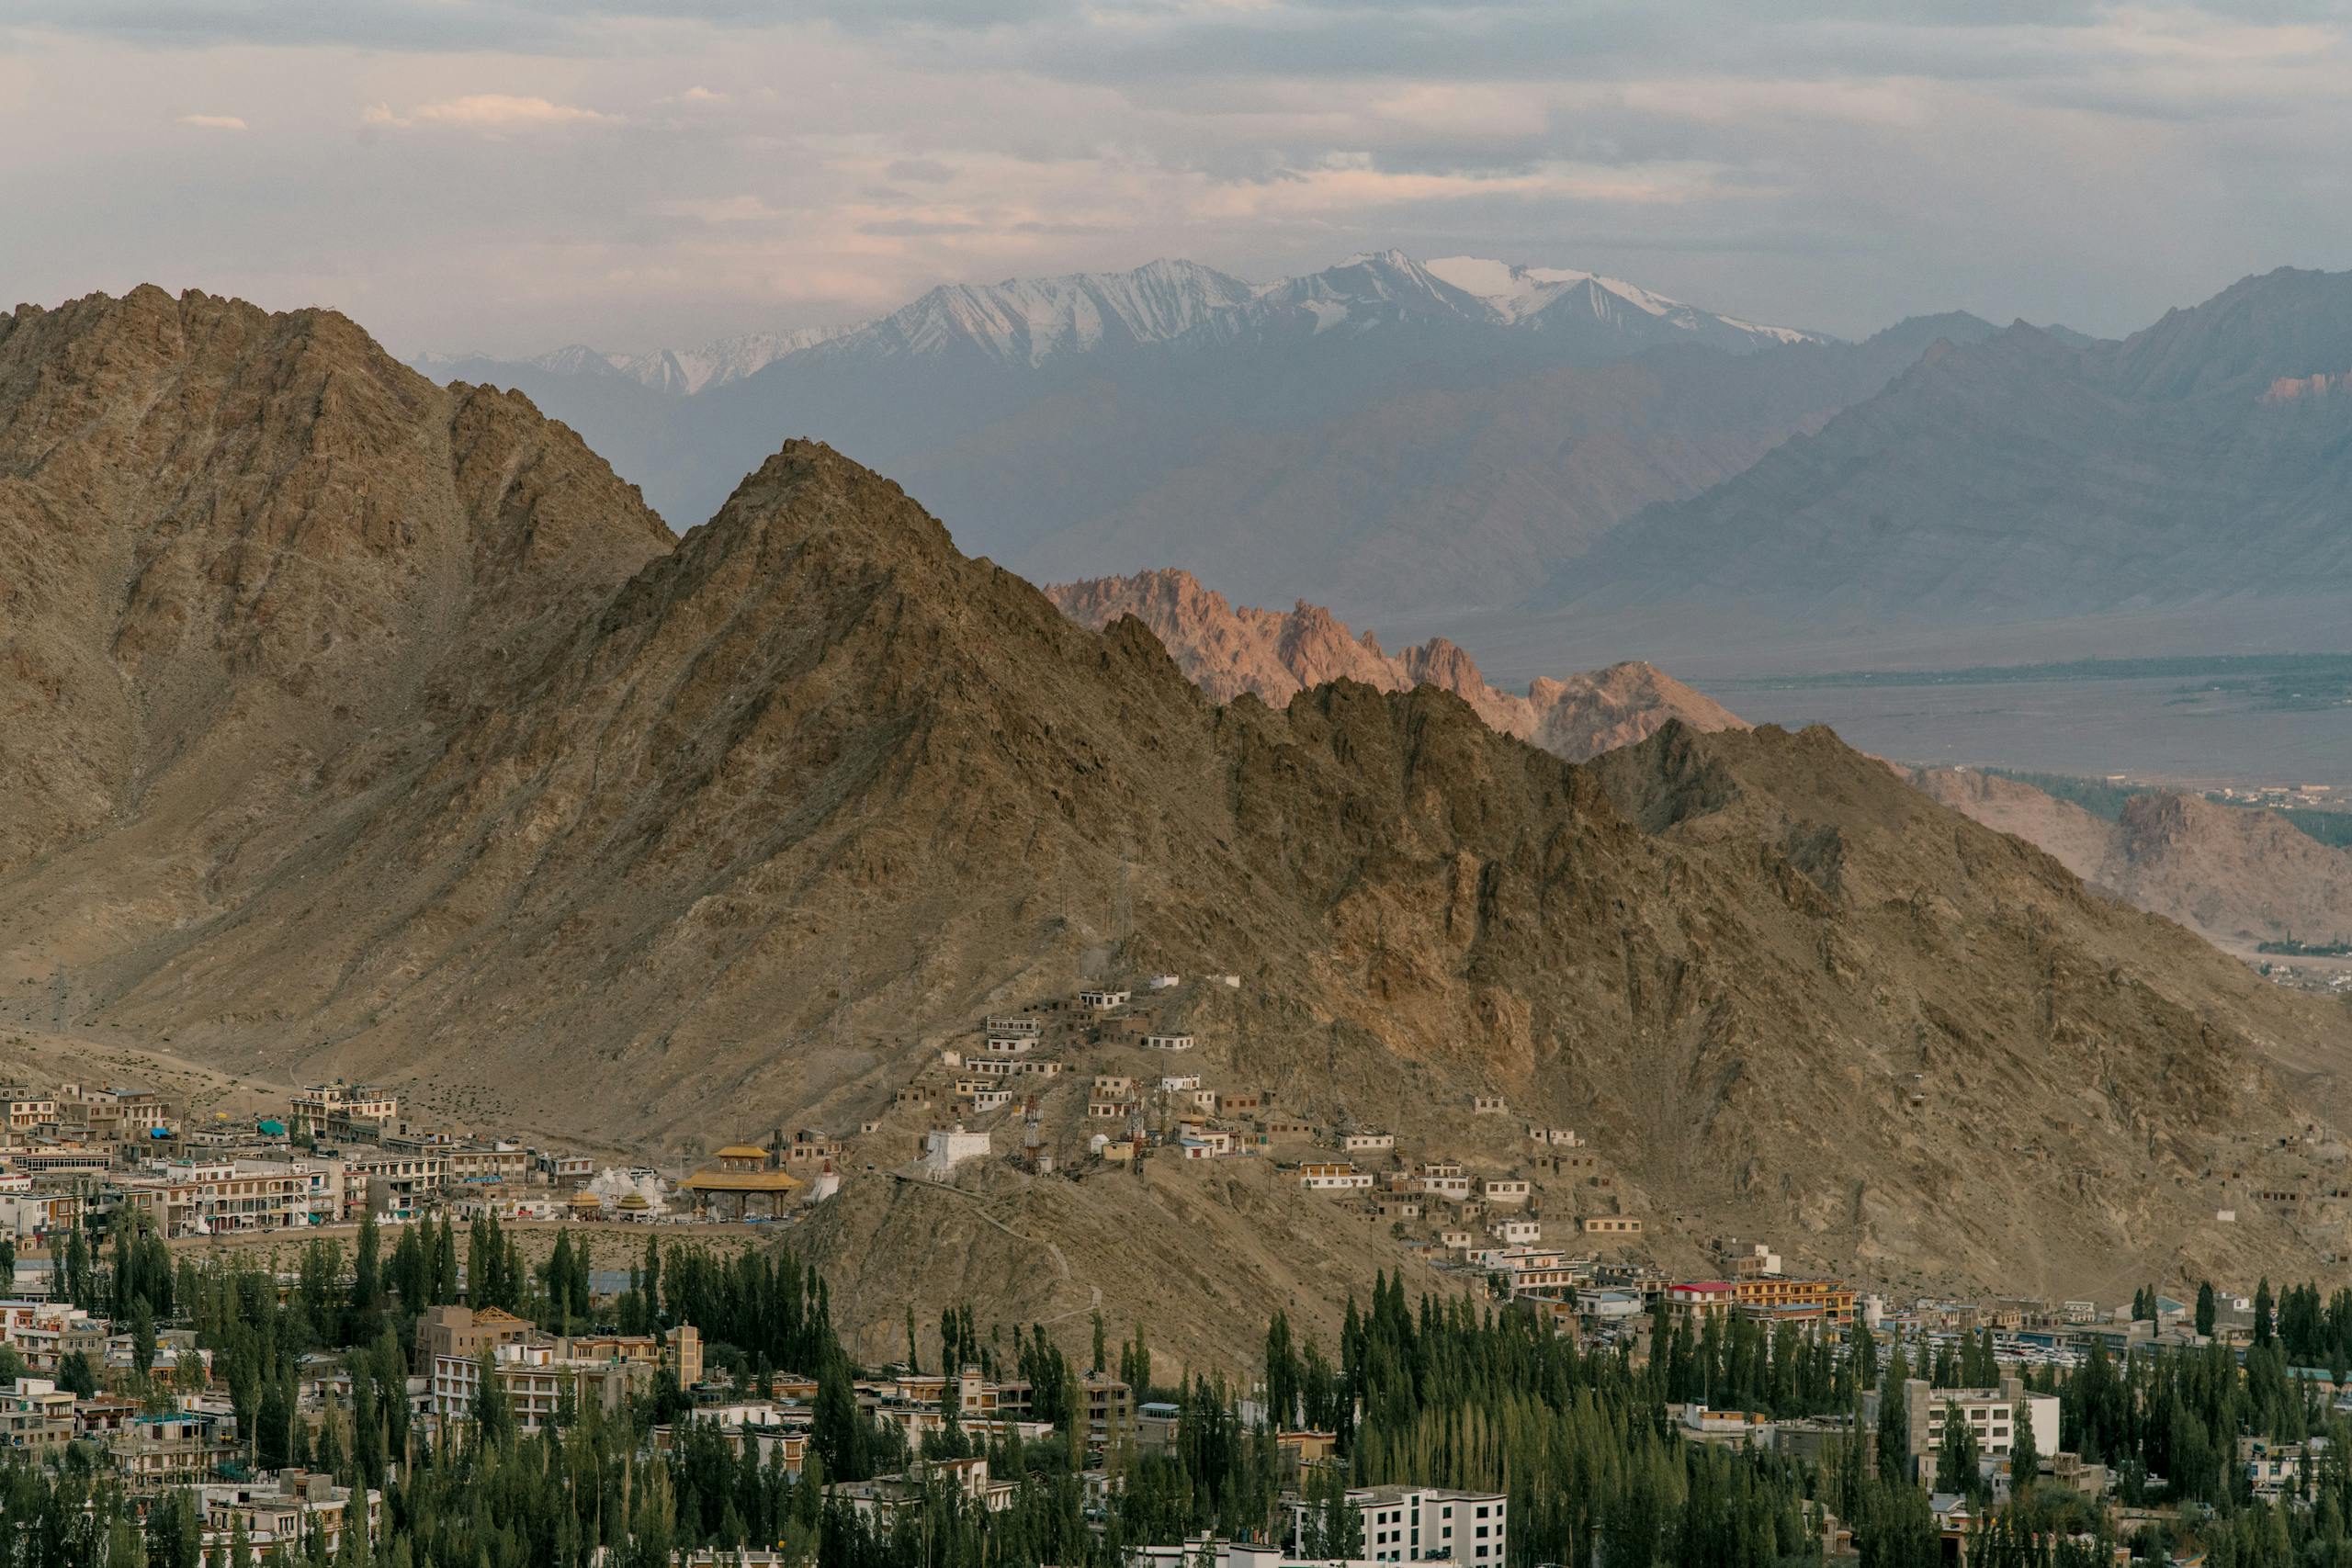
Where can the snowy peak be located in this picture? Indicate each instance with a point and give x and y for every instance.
(689, 370)
(1386, 280)
(1031, 320)
(1028, 320)
(1549, 298)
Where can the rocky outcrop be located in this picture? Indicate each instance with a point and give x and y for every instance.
(1275, 655)
(2236, 875)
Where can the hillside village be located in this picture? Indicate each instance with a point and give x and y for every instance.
(1521, 1217)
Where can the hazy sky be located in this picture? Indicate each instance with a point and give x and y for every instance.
(511, 175)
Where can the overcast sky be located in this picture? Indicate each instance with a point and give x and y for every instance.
(510, 174)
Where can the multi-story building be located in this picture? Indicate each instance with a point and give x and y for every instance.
(1110, 1407)
(1826, 1304)
(1698, 1300)
(1443, 1179)
(285, 1512)
(28, 1109)
(395, 1184)
(50, 1340)
(114, 1114)
(35, 1215)
(155, 1453)
(538, 1373)
(464, 1332)
(1991, 1414)
(212, 1196)
(773, 1431)
(36, 1416)
(1332, 1176)
(341, 1109)
(1421, 1523)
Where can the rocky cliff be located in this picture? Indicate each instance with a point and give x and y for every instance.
(1274, 655)
(2236, 875)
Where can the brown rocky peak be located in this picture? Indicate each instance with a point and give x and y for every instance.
(217, 523)
(1275, 656)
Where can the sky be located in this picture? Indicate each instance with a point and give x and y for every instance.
(510, 176)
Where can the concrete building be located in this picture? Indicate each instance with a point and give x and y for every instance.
(1420, 1524)
(285, 1511)
(945, 1149)
(339, 1110)
(1990, 1413)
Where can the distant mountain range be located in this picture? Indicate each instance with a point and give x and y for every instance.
(1384, 436)
(685, 371)
(2035, 475)
(1029, 321)
(1443, 443)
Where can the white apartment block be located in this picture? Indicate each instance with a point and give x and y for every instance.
(1422, 1524)
(1991, 1414)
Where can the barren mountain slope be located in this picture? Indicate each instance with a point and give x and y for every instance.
(802, 799)
(238, 553)
(2239, 876)
(1275, 655)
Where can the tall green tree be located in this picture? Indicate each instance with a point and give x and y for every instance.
(1895, 1420)
(2025, 1450)
(1956, 1460)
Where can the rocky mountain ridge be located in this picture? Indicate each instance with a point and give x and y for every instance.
(1275, 655)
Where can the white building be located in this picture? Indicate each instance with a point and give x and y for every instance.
(1421, 1523)
(945, 1149)
(1991, 1414)
(1332, 1176)
(1167, 1042)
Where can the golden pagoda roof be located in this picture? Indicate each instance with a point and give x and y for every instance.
(742, 1151)
(742, 1182)
(583, 1199)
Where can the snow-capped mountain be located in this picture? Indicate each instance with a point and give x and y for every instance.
(684, 371)
(1396, 434)
(690, 371)
(1027, 320)
(1544, 297)
(1033, 320)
